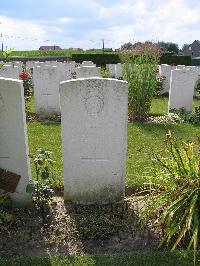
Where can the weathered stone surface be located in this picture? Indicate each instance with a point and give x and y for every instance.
(118, 70)
(46, 89)
(94, 128)
(111, 69)
(87, 63)
(13, 136)
(165, 71)
(88, 72)
(182, 89)
(9, 71)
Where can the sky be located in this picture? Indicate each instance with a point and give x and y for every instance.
(29, 24)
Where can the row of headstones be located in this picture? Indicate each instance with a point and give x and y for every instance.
(180, 83)
(46, 79)
(93, 146)
(73, 69)
(47, 76)
(116, 70)
(10, 70)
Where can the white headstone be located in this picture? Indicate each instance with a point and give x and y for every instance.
(30, 64)
(111, 69)
(94, 129)
(88, 72)
(46, 90)
(118, 70)
(9, 71)
(165, 71)
(72, 69)
(64, 70)
(180, 66)
(13, 136)
(182, 89)
(50, 63)
(87, 63)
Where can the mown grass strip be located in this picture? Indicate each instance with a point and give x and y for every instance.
(123, 259)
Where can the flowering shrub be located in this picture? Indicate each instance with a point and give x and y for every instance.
(24, 76)
(27, 82)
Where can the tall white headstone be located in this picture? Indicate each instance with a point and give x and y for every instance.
(182, 89)
(46, 90)
(118, 70)
(13, 136)
(9, 71)
(111, 69)
(88, 72)
(94, 129)
(165, 71)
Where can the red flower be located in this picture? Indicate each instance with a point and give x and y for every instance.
(23, 76)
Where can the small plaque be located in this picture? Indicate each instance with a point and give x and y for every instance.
(8, 180)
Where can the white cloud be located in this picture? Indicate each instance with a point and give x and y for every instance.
(65, 19)
(24, 34)
(123, 21)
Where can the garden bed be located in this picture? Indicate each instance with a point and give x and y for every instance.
(69, 229)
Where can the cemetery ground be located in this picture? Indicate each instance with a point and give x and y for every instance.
(67, 229)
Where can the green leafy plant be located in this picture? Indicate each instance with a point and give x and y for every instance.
(27, 84)
(7, 54)
(41, 188)
(187, 117)
(160, 80)
(5, 209)
(27, 81)
(195, 117)
(177, 192)
(105, 73)
(197, 87)
(140, 70)
(182, 113)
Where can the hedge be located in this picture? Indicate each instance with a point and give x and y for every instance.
(177, 59)
(113, 58)
(98, 59)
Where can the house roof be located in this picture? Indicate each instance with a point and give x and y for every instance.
(50, 47)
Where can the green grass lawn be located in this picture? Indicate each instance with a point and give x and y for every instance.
(159, 105)
(121, 259)
(143, 138)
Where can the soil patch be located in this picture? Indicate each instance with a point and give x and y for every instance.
(73, 229)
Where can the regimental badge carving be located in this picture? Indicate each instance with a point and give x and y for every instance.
(94, 105)
(93, 97)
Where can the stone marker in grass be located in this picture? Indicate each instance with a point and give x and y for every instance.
(9, 71)
(13, 137)
(94, 129)
(88, 72)
(46, 90)
(182, 89)
(165, 71)
(87, 63)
